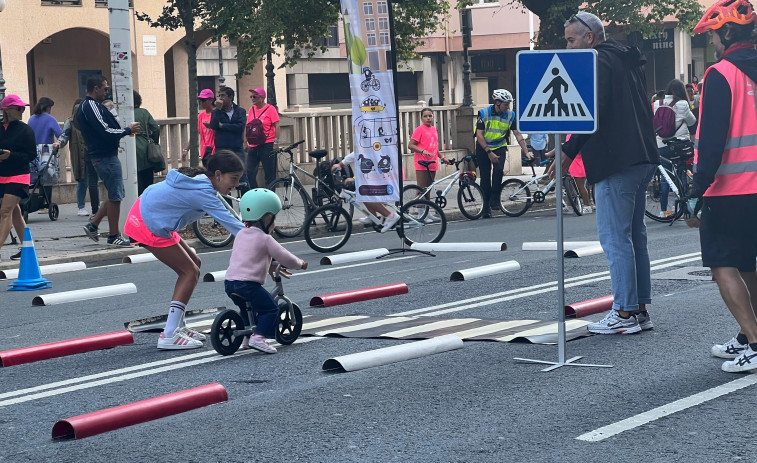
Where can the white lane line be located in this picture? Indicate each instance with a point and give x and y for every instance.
(140, 374)
(668, 409)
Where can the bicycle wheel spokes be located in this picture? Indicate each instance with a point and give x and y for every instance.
(514, 197)
(470, 200)
(328, 228)
(423, 222)
(212, 233)
(291, 220)
(661, 198)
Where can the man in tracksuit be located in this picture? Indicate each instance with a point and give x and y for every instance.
(229, 122)
(102, 134)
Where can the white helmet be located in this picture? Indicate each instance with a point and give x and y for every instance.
(502, 95)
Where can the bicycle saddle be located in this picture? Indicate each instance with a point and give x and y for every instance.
(426, 163)
(318, 154)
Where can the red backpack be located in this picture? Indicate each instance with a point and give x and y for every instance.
(664, 120)
(254, 131)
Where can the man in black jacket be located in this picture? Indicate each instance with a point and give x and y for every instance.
(620, 160)
(229, 122)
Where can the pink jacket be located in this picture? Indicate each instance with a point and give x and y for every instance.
(252, 255)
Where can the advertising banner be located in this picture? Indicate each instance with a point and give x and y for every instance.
(374, 113)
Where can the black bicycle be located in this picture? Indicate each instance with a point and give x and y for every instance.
(668, 188)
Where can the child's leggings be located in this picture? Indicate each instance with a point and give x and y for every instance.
(263, 305)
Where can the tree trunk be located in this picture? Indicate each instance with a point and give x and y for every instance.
(186, 8)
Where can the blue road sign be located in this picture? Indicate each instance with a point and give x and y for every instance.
(557, 91)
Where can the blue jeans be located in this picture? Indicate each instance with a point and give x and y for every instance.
(263, 305)
(620, 201)
(81, 192)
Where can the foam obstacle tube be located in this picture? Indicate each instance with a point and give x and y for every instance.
(84, 294)
(590, 307)
(90, 424)
(63, 348)
(459, 247)
(583, 251)
(485, 270)
(354, 256)
(211, 277)
(552, 245)
(358, 295)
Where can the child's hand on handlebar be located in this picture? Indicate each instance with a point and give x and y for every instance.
(304, 265)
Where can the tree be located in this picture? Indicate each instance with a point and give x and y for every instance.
(645, 16)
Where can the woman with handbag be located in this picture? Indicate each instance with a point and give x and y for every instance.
(147, 140)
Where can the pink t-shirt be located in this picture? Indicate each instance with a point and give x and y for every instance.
(252, 254)
(576, 168)
(207, 135)
(268, 118)
(427, 140)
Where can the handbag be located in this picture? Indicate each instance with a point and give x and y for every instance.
(154, 154)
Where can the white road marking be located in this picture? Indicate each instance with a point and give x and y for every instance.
(667, 409)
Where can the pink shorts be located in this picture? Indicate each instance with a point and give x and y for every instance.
(576, 168)
(135, 228)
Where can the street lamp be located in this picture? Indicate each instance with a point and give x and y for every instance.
(221, 78)
(2, 80)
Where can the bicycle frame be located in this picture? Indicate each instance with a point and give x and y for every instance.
(293, 169)
(350, 197)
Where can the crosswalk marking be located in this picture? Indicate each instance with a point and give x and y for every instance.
(363, 326)
(429, 327)
(334, 321)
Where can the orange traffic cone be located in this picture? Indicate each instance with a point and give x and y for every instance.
(29, 275)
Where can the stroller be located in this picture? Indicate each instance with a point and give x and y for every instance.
(45, 173)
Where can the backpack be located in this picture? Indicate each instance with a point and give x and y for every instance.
(664, 120)
(254, 130)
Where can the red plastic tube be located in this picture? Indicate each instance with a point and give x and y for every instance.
(357, 295)
(62, 348)
(79, 427)
(590, 307)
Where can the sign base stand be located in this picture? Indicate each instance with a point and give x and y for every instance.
(567, 363)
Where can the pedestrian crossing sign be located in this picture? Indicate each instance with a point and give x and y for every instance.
(557, 91)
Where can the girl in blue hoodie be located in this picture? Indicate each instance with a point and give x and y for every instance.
(187, 194)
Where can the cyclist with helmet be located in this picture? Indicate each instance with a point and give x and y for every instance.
(726, 173)
(186, 195)
(493, 129)
(251, 257)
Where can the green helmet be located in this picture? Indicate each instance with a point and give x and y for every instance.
(257, 203)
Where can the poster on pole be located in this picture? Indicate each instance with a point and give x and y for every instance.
(374, 113)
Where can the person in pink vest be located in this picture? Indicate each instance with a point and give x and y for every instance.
(726, 173)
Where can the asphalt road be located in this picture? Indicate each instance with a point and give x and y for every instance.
(471, 404)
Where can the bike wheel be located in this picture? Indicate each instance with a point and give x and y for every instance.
(411, 192)
(212, 233)
(222, 336)
(661, 197)
(288, 327)
(470, 200)
(571, 192)
(422, 222)
(328, 228)
(295, 208)
(514, 197)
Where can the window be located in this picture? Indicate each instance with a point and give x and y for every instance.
(328, 88)
(384, 24)
(370, 24)
(373, 61)
(367, 8)
(384, 37)
(381, 8)
(371, 39)
(332, 40)
(407, 85)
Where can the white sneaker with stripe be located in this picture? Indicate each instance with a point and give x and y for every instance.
(179, 341)
(192, 333)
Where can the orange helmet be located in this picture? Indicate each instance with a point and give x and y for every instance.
(726, 11)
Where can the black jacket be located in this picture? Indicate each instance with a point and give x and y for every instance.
(101, 131)
(625, 135)
(231, 134)
(19, 139)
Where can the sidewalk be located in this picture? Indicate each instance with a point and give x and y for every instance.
(64, 240)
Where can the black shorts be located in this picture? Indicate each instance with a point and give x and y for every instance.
(728, 233)
(16, 189)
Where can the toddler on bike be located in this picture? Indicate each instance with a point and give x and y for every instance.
(251, 257)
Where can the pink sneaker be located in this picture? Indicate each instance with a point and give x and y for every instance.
(262, 345)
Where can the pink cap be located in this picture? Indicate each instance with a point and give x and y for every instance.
(206, 93)
(12, 100)
(259, 91)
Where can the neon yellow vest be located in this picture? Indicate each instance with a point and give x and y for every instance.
(496, 127)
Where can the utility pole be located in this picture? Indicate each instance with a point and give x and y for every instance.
(221, 78)
(466, 21)
(270, 90)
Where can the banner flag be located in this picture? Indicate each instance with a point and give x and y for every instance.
(374, 113)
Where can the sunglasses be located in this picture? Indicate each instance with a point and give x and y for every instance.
(575, 18)
(18, 108)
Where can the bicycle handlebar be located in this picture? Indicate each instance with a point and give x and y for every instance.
(289, 148)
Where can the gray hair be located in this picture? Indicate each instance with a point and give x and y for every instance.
(588, 21)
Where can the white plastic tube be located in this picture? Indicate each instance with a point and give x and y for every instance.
(552, 245)
(483, 271)
(214, 276)
(11, 274)
(393, 354)
(84, 294)
(465, 247)
(144, 257)
(353, 256)
(584, 251)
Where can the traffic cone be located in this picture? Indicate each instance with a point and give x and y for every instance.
(29, 275)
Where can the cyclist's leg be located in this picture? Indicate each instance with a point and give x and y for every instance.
(581, 184)
(423, 178)
(497, 173)
(378, 208)
(485, 168)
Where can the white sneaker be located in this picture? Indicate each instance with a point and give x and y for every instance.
(262, 345)
(745, 362)
(613, 323)
(192, 333)
(82, 213)
(365, 220)
(587, 210)
(179, 341)
(432, 217)
(565, 207)
(390, 222)
(729, 350)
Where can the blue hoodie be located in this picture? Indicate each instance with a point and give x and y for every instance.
(180, 200)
